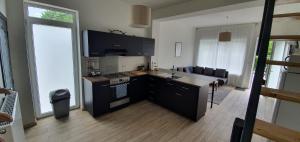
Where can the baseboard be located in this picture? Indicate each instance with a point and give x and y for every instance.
(29, 125)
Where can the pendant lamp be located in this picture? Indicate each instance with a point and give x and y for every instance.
(141, 16)
(225, 36)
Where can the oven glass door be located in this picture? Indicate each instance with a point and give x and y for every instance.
(118, 91)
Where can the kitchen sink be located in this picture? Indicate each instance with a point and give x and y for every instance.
(175, 77)
(168, 75)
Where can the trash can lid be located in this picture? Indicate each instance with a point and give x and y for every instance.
(60, 94)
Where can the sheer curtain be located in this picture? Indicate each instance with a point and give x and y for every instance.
(232, 55)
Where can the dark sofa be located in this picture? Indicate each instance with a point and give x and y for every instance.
(222, 74)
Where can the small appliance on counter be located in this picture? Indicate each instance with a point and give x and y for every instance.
(141, 68)
(94, 73)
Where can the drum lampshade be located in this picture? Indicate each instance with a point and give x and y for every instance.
(141, 16)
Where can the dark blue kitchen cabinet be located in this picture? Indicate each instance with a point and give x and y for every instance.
(98, 44)
(136, 88)
(95, 43)
(135, 46)
(148, 46)
(154, 88)
(96, 97)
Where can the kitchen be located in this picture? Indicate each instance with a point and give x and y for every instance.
(183, 93)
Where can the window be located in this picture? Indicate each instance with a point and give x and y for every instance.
(50, 14)
(235, 56)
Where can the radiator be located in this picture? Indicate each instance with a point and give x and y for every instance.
(12, 131)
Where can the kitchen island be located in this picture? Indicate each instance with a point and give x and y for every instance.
(185, 94)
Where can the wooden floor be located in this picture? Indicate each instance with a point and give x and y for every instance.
(147, 122)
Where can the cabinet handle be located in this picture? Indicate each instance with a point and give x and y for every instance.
(104, 85)
(185, 88)
(116, 45)
(170, 84)
(179, 94)
(94, 53)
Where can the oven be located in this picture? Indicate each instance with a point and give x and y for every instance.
(118, 89)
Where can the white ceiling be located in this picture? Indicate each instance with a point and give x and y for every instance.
(238, 16)
(155, 3)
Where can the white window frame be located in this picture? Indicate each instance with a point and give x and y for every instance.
(29, 21)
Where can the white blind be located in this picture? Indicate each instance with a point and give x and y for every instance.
(232, 55)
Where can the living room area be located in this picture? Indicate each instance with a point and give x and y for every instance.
(219, 43)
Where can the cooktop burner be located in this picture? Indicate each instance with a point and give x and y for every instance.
(117, 78)
(115, 75)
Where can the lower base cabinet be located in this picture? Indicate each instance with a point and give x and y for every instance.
(96, 97)
(180, 98)
(187, 100)
(136, 89)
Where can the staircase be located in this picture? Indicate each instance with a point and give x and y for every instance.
(243, 129)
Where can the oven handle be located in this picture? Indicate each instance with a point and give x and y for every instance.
(114, 86)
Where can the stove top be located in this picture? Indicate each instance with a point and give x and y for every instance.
(117, 78)
(115, 75)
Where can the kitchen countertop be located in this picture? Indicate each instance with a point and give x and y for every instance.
(187, 78)
(95, 79)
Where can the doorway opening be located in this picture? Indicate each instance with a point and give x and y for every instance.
(53, 54)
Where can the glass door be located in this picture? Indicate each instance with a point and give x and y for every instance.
(274, 72)
(53, 55)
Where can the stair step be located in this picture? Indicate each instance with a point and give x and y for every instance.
(281, 94)
(291, 15)
(275, 132)
(283, 63)
(286, 1)
(285, 37)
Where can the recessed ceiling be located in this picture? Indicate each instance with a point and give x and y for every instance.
(154, 4)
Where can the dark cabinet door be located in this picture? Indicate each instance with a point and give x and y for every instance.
(101, 98)
(185, 100)
(165, 95)
(154, 86)
(135, 46)
(136, 89)
(148, 46)
(118, 41)
(95, 43)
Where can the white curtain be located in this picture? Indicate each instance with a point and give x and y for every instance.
(232, 56)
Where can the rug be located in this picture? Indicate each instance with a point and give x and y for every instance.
(220, 94)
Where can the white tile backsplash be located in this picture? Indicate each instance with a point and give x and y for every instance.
(113, 64)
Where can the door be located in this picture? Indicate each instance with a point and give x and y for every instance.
(274, 72)
(53, 55)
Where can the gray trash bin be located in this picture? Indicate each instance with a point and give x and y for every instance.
(60, 100)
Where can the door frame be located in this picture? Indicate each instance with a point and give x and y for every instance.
(29, 21)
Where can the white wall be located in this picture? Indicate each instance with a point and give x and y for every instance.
(171, 32)
(3, 7)
(20, 71)
(103, 15)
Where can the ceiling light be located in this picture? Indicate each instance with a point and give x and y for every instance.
(141, 16)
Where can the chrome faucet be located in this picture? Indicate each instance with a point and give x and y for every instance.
(173, 71)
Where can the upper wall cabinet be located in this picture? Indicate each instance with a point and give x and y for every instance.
(98, 44)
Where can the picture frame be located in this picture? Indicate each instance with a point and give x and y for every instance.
(178, 49)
